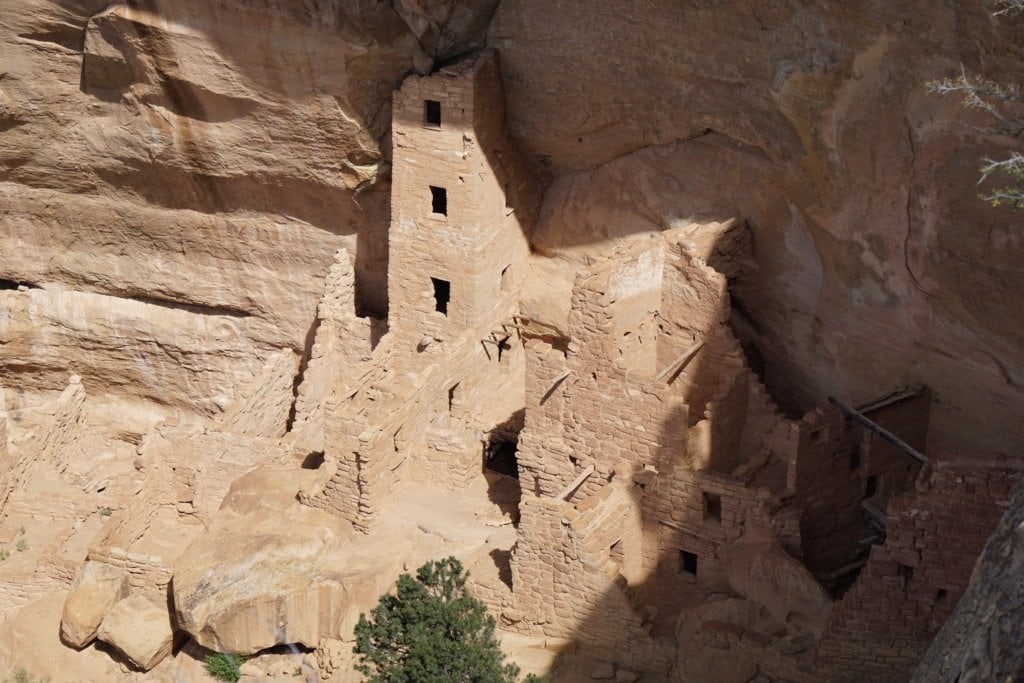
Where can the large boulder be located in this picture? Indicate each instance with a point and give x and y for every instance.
(759, 569)
(271, 571)
(246, 587)
(140, 629)
(97, 589)
(30, 640)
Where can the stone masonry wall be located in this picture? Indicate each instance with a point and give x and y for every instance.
(684, 521)
(342, 344)
(911, 584)
(828, 490)
(837, 464)
(565, 584)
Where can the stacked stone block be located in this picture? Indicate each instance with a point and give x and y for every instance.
(566, 587)
(911, 584)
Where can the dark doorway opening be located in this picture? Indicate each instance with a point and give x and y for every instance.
(501, 458)
(439, 200)
(432, 114)
(442, 294)
(313, 461)
(501, 468)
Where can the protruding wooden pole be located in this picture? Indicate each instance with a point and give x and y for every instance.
(576, 483)
(554, 385)
(882, 432)
(675, 366)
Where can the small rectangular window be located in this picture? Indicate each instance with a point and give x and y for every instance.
(442, 294)
(713, 506)
(432, 114)
(688, 563)
(439, 200)
(871, 487)
(451, 397)
(504, 278)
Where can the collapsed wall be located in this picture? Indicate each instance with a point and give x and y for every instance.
(912, 582)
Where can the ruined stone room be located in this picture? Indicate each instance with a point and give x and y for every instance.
(511, 341)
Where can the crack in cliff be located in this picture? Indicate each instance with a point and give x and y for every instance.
(1003, 369)
(909, 211)
(707, 136)
(14, 285)
(446, 36)
(196, 309)
(304, 359)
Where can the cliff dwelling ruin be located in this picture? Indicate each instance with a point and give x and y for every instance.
(622, 486)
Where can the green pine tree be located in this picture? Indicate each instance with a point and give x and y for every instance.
(431, 631)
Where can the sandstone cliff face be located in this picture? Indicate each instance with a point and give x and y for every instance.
(212, 158)
(812, 122)
(188, 171)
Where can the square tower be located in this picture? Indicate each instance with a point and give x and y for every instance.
(457, 244)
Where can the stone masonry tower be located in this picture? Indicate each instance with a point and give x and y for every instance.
(457, 249)
(447, 380)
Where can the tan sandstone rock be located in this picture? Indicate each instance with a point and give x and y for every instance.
(140, 629)
(95, 592)
(30, 640)
(759, 569)
(268, 574)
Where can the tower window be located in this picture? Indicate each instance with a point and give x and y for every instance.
(439, 200)
(855, 455)
(713, 506)
(871, 487)
(452, 393)
(504, 278)
(442, 294)
(431, 113)
(688, 562)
